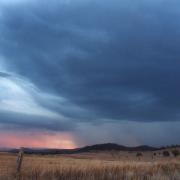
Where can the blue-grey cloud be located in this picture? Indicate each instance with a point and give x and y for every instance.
(24, 105)
(3, 74)
(101, 60)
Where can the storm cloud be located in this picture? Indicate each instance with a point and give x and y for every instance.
(89, 62)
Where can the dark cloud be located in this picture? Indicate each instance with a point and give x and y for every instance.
(115, 61)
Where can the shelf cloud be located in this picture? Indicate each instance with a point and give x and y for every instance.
(70, 63)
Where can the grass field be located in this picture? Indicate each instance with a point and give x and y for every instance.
(92, 166)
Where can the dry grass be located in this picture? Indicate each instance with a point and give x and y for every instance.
(102, 166)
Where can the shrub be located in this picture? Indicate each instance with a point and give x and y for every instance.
(175, 152)
(139, 154)
(166, 153)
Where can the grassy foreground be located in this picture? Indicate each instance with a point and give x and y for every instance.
(86, 168)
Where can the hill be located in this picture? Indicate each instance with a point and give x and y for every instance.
(93, 148)
(115, 147)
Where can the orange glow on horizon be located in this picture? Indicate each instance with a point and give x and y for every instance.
(37, 140)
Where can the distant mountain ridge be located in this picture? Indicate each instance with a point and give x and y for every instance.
(93, 148)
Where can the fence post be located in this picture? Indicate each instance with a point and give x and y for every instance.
(19, 162)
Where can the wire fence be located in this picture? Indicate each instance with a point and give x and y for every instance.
(7, 164)
(10, 164)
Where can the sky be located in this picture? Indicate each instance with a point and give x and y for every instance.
(82, 72)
